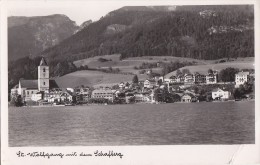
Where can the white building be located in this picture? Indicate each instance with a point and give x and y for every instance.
(27, 88)
(104, 93)
(141, 97)
(149, 83)
(219, 94)
(188, 97)
(212, 78)
(180, 79)
(36, 96)
(188, 79)
(171, 80)
(70, 89)
(241, 78)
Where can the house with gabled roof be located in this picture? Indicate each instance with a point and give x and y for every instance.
(199, 78)
(149, 83)
(188, 79)
(188, 97)
(212, 78)
(180, 79)
(219, 94)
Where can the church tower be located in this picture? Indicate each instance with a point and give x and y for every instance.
(43, 75)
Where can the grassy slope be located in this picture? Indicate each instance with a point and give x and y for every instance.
(203, 69)
(96, 78)
(93, 78)
(127, 65)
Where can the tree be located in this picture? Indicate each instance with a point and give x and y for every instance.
(18, 101)
(209, 98)
(237, 94)
(248, 87)
(156, 95)
(210, 71)
(142, 71)
(127, 84)
(160, 82)
(196, 89)
(241, 90)
(135, 79)
(228, 74)
(185, 71)
(74, 99)
(178, 72)
(120, 57)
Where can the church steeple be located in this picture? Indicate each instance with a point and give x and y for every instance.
(43, 75)
(43, 62)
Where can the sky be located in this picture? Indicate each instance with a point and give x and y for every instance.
(78, 12)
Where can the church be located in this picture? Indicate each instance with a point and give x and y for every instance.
(29, 89)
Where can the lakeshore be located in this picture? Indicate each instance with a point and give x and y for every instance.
(138, 103)
(135, 124)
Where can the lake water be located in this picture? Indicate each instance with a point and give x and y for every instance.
(139, 124)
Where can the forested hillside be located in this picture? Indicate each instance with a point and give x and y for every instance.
(201, 32)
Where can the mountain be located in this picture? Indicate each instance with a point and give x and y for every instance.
(28, 36)
(195, 32)
(84, 24)
(201, 32)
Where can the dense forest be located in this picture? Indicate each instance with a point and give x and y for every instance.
(182, 33)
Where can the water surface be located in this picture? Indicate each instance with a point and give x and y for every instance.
(139, 124)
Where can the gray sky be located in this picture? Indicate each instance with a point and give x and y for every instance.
(78, 12)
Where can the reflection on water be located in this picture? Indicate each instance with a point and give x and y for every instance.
(142, 124)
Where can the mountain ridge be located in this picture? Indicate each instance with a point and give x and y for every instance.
(28, 36)
(157, 31)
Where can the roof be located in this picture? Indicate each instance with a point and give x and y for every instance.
(151, 80)
(29, 84)
(187, 91)
(188, 74)
(43, 62)
(218, 89)
(189, 94)
(105, 91)
(33, 84)
(173, 77)
(211, 75)
(65, 93)
(242, 73)
(180, 76)
(179, 94)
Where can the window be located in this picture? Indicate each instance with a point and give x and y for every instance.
(27, 92)
(32, 92)
(43, 69)
(43, 83)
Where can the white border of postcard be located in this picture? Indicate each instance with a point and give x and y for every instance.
(169, 154)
